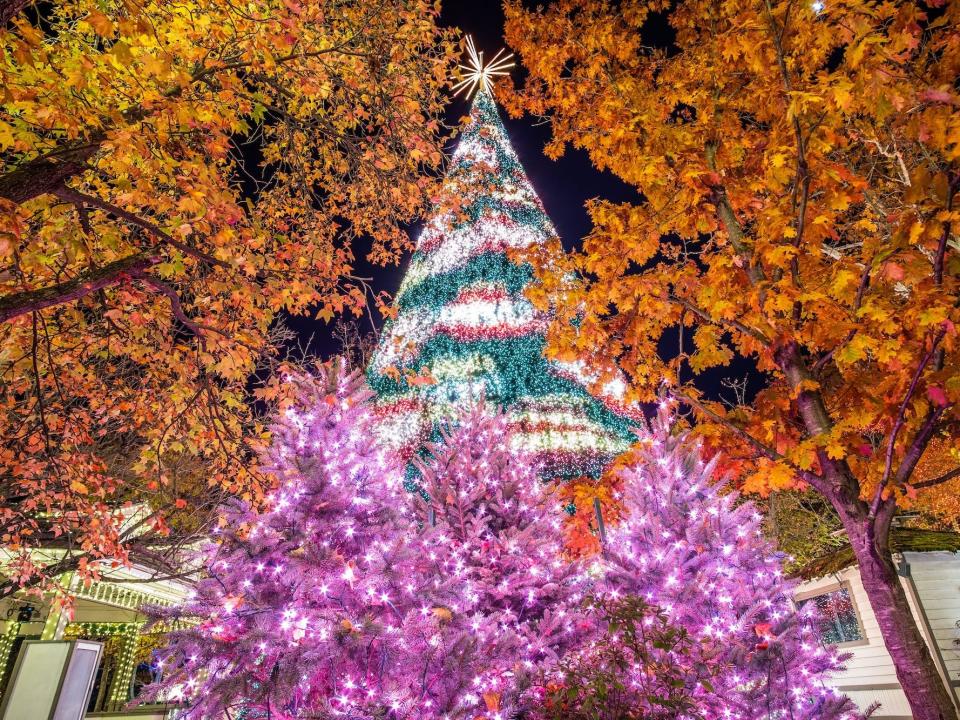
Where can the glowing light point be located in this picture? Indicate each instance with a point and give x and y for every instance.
(477, 75)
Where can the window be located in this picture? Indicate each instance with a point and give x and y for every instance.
(146, 669)
(837, 616)
(110, 684)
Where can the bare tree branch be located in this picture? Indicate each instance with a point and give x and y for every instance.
(901, 419)
(42, 176)
(734, 324)
(920, 441)
(945, 235)
(95, 279)
(81, 199)
(939, 480)
(11, 8)
(175, 306)
(762, 448)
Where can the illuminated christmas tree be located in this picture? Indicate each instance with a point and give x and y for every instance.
(463, 328)
(493, 544)
(311, 603)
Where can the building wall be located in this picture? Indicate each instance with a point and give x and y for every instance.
(870, 675)
(936, 576)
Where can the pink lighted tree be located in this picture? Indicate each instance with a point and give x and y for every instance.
(313, 605)
(494, 546)
(351, 597)
(694, 549)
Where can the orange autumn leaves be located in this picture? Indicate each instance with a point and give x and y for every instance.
(176, 176)
(798, 172)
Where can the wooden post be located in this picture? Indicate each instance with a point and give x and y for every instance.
(600, 527)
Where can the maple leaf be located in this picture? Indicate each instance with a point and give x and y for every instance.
(830, 284)
(423, 377)
(937, 395)
(149, 284)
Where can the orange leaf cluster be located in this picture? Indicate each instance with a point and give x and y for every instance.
(177, 176)
(798, 171)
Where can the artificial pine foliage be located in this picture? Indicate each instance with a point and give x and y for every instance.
(693, 548)
(640, 668)
(464, 330)
(312, 607)
(350, 597)
(494, 545)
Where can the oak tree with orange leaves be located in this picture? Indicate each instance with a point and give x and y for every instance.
(177, 175)
(797, 175)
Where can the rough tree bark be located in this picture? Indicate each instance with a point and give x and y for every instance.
(20, 303)
(914, 664)
(869, 535)
(11, 8)
(46, 175)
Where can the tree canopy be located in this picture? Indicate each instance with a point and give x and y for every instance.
(797, 171)
(176, 177)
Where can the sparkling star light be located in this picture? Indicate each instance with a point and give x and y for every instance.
(477, 75)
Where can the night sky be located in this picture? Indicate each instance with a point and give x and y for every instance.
(563, 185)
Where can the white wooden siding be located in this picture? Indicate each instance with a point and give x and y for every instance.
(893, 703)
(870, 676)
(870, 663)
(937, 579)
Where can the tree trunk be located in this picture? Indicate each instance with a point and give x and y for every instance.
(20, 303)
(10, 9)
(916, 670)
(41, 176)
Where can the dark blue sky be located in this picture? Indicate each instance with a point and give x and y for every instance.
(563, 185)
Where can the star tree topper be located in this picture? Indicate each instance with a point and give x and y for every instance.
(475, 75)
